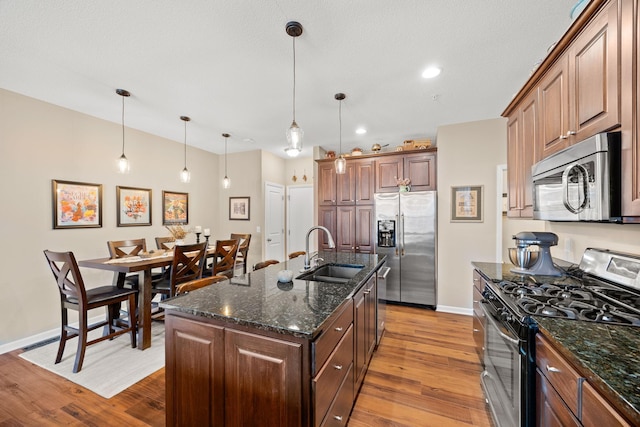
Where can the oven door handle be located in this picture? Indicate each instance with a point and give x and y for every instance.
(502, 331)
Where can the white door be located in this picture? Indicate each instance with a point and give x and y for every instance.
(274, 221)
(299, 217)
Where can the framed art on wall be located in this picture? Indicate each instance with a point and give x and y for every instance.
(133, 206)
(76, 204)
(466, 203)
(239, 208)
(175, 208)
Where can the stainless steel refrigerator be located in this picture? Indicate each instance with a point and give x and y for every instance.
(406, 234)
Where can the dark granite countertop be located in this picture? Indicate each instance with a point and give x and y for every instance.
(259, 301)
(607, 355)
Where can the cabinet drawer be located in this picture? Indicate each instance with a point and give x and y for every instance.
(596, 411)
(332, 374)
(551, 410)
(338, 413)
(324, 345)
(560, 374)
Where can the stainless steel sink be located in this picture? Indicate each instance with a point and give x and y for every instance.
(332, 273)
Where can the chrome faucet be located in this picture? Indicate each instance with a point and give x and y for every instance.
(307, 258)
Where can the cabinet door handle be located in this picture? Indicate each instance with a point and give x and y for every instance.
(367, 292)
(552, 369)
(338, 367)
(337, 417)
(338, 329)
(571, 132)
(476, 330)
(563, 137)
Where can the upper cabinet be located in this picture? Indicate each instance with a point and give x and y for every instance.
(326, 184)
(420, 168)
(355, 186)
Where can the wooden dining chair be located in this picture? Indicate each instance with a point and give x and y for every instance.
(74, 296)
(264, 264)
(188, 264)
(199, 283)
(123, 249)
(166, 243)
(224, 258)
(293, 255)
(243, 249)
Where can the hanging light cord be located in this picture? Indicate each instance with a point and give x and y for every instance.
(185, 144)
(225, 156)
(123, 125)
(340, 121)
(294, 79)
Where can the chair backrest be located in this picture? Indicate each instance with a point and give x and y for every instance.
(67, 274)
(293, 255)
(199, 283)
(225, 256)
(124, 248)
(264, 264)
(166, 243)
(188, 263)
(243, 246)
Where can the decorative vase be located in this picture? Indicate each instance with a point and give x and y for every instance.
(404, 188)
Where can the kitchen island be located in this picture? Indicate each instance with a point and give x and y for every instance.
(256, 350)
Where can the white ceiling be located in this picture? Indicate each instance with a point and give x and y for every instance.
(228, 64)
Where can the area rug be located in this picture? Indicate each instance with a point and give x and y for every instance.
(109, 367)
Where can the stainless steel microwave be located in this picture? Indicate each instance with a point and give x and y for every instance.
(581, 182)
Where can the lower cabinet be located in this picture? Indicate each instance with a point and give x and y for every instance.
(224, 374)
(478, 315)
(564, 397)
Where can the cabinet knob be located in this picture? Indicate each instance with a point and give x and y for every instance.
(338, 329)
(338, 367)
(571, 132)
(552, 369)
(337, 417)
(476, 330)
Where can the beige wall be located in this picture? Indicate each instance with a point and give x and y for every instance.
(40, 142)
(468, 154)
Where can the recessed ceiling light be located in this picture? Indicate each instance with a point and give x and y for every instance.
(431, 72)
(361, 131)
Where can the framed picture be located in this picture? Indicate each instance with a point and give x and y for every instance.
(133, 206)
(76, 204)
(175, 208)
(466, 203)
(239, 208)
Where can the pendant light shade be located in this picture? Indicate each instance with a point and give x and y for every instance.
(185, 175)
(123, 163)
(294, 133)
(226, 182)
(341, 163)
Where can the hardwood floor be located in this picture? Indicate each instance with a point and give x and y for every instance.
(425, 373)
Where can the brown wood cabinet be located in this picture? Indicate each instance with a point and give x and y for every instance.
(364, 305)
(420, 168)
(521, 141)
(346, 201)
(564, 396)
(479, 320)
(553, 95)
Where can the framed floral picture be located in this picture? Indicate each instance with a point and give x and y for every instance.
(175, 208)
(133, 206)
(239, 208)
(76, 204)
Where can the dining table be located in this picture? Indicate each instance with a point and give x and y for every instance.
(143, 267)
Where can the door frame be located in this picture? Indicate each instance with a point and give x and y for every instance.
(267, 184)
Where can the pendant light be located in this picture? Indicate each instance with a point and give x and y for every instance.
(294, 133)
(341, 163)
(226, 182)
(185, 175)
(123, 162)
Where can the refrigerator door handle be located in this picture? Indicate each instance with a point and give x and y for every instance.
(397, 222)
(402, 234)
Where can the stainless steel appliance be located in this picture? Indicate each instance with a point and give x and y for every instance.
(406, 234)
(581, 182)
(604, 288)
(381, 316)
(544, 264)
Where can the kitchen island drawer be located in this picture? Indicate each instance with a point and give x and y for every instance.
(324, 345)
(327, 383)
(338, 413)
(564, 379)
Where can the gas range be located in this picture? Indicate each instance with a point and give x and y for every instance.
(603, 288)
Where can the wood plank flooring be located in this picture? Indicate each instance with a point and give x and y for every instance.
(425, 373)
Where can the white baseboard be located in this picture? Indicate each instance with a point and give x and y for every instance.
(42, 336)
(455, 310)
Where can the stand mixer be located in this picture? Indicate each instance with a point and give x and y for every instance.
(544, 240)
